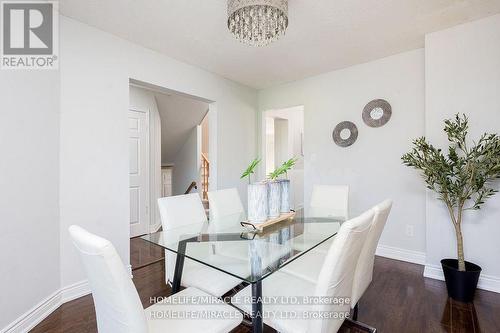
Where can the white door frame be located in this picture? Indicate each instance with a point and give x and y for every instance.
(145, 228)
(212, 146)
(213, 133)
(262, 138)
(155, 176)
(262, 135)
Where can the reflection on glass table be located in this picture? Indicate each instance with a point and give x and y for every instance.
(250, 256)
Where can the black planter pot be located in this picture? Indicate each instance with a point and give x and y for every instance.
(461, 286)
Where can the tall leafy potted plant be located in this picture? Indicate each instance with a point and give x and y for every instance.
(462, 179)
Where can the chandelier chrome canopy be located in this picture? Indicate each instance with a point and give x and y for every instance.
(257, 22)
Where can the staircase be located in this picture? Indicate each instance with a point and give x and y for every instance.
(205, 173)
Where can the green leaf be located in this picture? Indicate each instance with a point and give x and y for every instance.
(464, 174)
(250, 169)
(283, 169)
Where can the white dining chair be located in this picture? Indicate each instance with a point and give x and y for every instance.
(223, 203)
(364, 269)
(117, 303)
(182, 210)
(329, 201)
(335, 281)
(308, 267)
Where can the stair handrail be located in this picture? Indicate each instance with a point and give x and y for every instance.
(205, 165)
(205, 158)
(190, 187)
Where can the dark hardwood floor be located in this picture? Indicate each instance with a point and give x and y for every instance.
(144, 253)
(400, 299)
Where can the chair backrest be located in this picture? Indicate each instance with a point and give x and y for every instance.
(178, 211)
(181, 210)
(336, 277)
(224, 203)
(117, 304)
(330, 201)
(364, 269)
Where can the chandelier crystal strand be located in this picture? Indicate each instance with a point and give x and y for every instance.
(257, 22)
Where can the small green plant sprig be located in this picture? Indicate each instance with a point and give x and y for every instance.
(283, 169)
(288, 165)
(250, 170)
(275, 174)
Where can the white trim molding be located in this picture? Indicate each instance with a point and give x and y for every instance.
(415, 257)
(42, 310)
(35, 315)
(74, 291)
(486, 282)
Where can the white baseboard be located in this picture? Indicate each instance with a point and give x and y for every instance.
(35, 315)
(414, 257)
(486, 282)
(74, 291)
(42, 310)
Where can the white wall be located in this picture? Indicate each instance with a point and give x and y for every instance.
(29, 182)
(187, 163)
(143, 99)
(295, 117)
(463, 75)
(178, 113)
(372, 166)
(95, 71)
(280, 141)
(267, 150)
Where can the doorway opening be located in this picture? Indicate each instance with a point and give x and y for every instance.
(282, 139)
(172, 150)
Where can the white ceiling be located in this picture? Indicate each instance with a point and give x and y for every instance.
(179, 116)
(323, 35)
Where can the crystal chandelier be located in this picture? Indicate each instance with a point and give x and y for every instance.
(257, 22)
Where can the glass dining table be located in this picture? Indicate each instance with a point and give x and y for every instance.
(249, 255)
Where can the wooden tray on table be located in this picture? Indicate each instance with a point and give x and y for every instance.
(269, 223)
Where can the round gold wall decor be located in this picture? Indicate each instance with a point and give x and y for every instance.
(377, 113)
(345, 134)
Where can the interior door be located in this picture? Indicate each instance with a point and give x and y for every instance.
(139, 172)
(166, 180)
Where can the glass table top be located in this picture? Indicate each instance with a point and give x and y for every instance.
(251, 256)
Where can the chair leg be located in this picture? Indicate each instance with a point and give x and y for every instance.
(355, 312)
